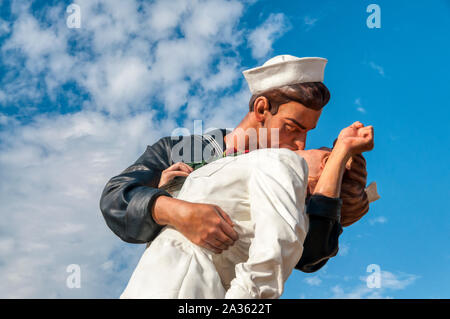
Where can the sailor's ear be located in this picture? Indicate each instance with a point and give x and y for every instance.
(260, 107)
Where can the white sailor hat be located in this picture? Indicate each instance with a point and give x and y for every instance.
(284, 70)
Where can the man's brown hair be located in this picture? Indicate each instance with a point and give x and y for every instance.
(313, 95)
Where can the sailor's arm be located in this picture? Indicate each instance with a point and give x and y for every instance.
(128, 197)
(136, 210)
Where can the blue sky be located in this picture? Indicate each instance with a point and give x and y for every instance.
(79, 105)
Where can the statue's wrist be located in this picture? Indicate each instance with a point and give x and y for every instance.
(160, 209)
(341, 153)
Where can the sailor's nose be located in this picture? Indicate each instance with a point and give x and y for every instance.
(300, 141)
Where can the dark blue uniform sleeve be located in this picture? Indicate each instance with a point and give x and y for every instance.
(322, 241)
(127, 198)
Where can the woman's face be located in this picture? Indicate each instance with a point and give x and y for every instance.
(316, 159)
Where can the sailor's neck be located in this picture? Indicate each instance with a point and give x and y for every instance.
(239, 136)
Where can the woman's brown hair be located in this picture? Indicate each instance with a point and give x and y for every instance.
(355, 203)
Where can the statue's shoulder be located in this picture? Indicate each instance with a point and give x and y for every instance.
(278, 158)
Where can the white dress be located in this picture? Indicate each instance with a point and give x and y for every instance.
(263, 192)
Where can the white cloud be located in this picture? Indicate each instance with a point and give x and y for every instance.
(378, 220)
(4, 27)
(309, 22)
(123, 57)
(262, 38)
(313, 281)
(377, 68)
(389, 283)
(359, 108)
(52, 176)
(343, 249)
(129, 64)
(397, 282)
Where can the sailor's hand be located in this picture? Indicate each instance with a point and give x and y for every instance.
(177, 169)
(207, 226)
(356, 138)
(203, 224)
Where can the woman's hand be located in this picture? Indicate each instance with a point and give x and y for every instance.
(177, 169)
(356, 138)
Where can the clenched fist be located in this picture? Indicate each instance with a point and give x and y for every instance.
(356, 138)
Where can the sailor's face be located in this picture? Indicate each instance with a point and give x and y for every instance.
(294, 121)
